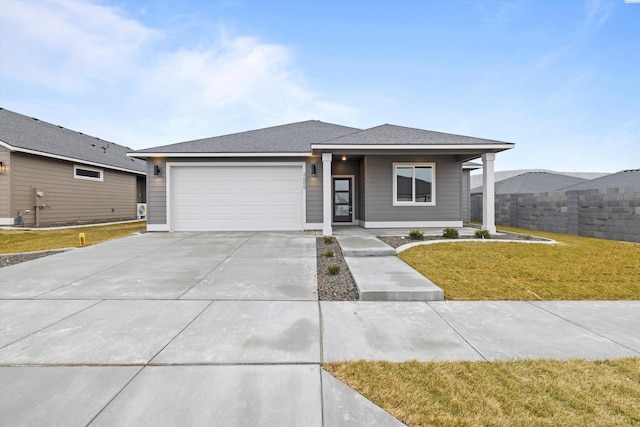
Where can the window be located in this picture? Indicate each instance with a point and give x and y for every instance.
(414, 184)
(91, 174)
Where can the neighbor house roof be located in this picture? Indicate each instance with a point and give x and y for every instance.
(33, 136)
(622, 179)
(532, 182)
(304, 137)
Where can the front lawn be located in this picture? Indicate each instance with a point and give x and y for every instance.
(578, 268)
(16, 240)
(514, 393)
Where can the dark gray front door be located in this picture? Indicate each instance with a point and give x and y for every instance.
(342, 199)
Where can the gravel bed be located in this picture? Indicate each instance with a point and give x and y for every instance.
(338, 287)
(397, 241)
(11, 259)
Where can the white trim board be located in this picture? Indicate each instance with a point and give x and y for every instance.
(69, 159)
(410, 224)
(157, 227)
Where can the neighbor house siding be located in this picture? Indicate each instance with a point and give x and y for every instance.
(69, 199)
(379, 190)
(6, 210)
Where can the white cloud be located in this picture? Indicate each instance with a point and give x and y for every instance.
(141, 94)
(67, 44)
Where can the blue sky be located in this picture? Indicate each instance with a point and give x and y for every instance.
(561, 79)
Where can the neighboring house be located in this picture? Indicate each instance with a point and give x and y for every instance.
(532, 182)
(623, 179)
(54, 175)
(476, 179)
(311, 175)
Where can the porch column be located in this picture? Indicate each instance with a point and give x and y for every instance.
(488, 193)
(326, 195)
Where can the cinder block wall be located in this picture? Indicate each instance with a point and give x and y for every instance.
(612, 213)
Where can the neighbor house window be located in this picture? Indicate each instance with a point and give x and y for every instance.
(414, 184)
(91, 174)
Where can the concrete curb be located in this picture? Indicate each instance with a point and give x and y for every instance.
(433, 242)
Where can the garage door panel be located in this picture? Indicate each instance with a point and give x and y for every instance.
(252, 197)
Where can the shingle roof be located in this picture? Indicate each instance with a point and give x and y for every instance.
(301, 137)
(290, 138)
(28, 134)
(532, 182)
(622, 179)
(400, 135)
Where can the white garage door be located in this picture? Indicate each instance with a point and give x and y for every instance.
(236, 198)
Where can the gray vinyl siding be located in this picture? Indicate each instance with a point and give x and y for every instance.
(466, 195)
(314, 192)
(379, 190)
(69, 199)
(156, 193)
(157, 189)
(6, 210)
(362, 187)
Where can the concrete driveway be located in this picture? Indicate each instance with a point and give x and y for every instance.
(206, 328)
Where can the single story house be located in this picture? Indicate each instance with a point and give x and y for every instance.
(52, 175)
(311, 175)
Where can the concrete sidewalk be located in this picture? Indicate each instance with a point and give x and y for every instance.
(194, 329)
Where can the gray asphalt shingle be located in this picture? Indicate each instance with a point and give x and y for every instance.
(28, 133)
(622, 179)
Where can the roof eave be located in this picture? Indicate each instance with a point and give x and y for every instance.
(488, 147)
(69, 159)
(143, 155)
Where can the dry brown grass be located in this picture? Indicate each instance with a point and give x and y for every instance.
(578, 268)
(515, 393)
(16, 241)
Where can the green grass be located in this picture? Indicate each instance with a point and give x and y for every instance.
(514, 393)
(578, 268)
(16, 241)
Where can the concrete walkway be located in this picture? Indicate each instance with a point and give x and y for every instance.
(199, 329)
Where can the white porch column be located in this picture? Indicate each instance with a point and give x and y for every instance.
(488, 193)
(327, 230)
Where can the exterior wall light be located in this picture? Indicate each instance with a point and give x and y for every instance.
(156, 170)
(2, 168)
(313, 170)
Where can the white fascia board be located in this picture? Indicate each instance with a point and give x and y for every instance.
(413, 147)
(219, 154)
(68, 159)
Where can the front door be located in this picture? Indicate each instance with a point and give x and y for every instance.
(342, 199)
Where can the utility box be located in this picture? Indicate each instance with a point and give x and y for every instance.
(39, 197)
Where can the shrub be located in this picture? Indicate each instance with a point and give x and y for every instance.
(327, 239)
(483, 234)
(450, 233)
(328, 253)
(416, 234)
(333, 270)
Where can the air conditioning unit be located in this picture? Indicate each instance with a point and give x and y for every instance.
(142, 210)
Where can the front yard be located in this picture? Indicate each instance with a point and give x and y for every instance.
(578, 268)
(523, 392)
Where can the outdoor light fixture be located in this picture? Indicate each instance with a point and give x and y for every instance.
(344, 158)
(156, 170)
(2, 168)
(313, 170)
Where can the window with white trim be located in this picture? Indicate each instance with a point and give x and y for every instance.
(90, 174)
(414, 184)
